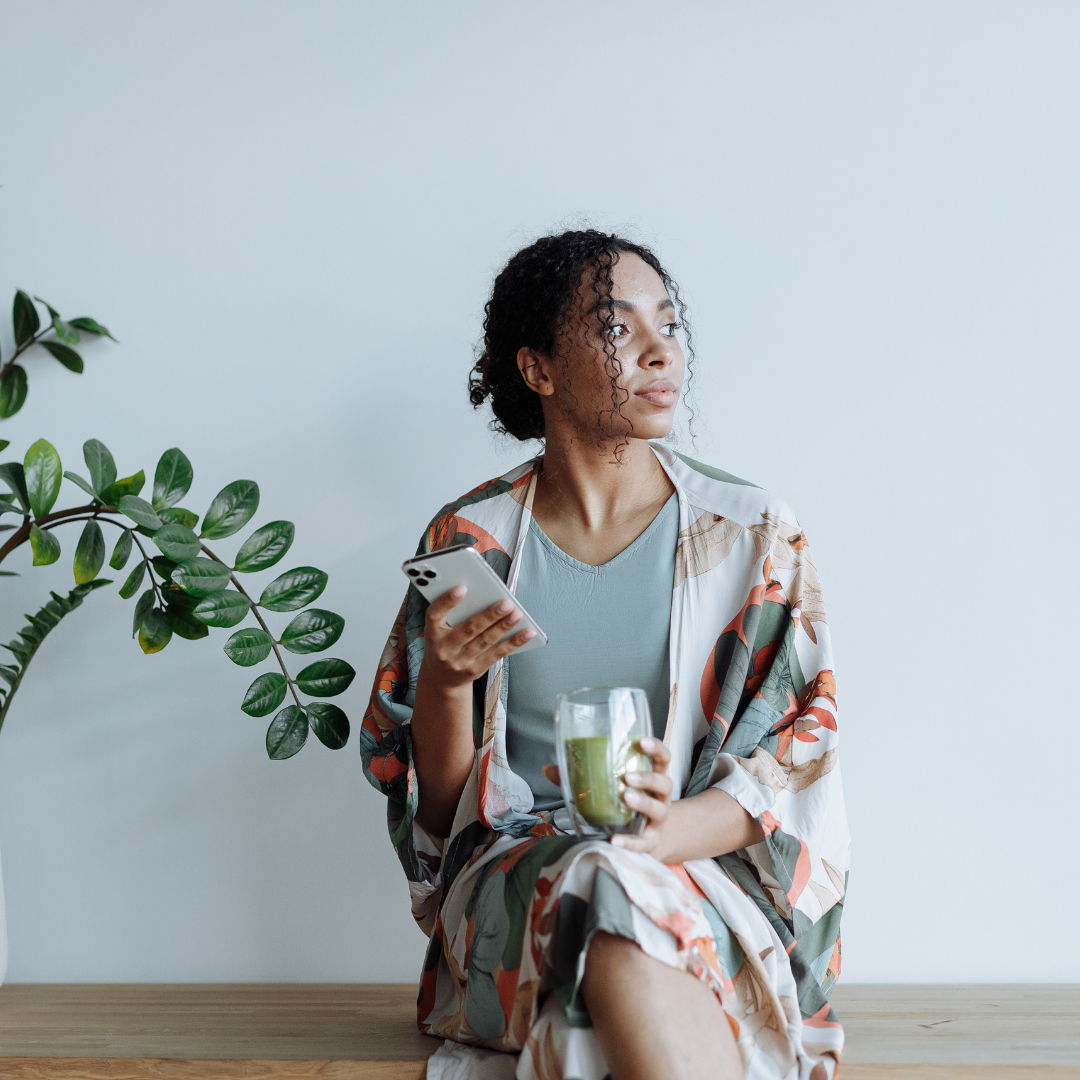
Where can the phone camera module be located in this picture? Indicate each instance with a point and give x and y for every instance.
(413, 573)
(430, 575)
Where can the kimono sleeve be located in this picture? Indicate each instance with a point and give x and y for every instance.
(778, 757)
(386, 745)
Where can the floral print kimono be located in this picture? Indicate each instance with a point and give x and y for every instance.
(511, 898)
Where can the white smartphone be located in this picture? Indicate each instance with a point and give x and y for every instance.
(444, 570)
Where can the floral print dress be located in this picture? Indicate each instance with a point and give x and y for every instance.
(511, 899)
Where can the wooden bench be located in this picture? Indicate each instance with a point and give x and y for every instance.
(368, 1032)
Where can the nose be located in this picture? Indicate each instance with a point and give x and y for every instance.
(659, 353)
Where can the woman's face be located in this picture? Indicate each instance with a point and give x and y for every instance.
(648, 358)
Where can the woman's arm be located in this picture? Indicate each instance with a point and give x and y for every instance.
(442, 722)
(701, 827)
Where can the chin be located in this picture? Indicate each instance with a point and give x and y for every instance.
(652, 427)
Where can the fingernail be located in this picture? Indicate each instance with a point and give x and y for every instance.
(458, 590)
(648, 743)
(633, 778)
(504, 607)
(513, 617)
(632, 797)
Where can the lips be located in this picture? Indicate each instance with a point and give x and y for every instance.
(663, 394)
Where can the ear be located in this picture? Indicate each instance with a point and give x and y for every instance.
(534, 371)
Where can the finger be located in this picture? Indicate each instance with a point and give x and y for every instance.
(479, 623)
(657, 783)
(552, 773)
(633, 843)
(655, 810)
(438, 609)
(658, 752)
(492, 634)
(503, 648)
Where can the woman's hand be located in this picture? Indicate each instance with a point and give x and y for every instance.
(649, 794)
(454, 656)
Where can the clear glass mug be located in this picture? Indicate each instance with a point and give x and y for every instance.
(598, 733)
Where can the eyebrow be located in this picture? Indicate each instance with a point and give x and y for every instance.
(628, 305)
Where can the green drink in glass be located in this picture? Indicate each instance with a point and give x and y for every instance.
(598, 733)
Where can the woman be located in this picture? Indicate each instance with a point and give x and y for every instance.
(708, 945)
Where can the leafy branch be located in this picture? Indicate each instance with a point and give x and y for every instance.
(34, 633)
(188, 582)
(30, 332)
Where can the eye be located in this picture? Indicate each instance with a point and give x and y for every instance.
(619, 330)
(670, 328)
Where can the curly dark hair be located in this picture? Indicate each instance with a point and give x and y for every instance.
(530, 306)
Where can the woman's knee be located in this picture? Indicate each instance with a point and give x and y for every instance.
(609, 953)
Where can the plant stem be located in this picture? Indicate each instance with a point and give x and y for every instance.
(255, 611)
(92, 512)
(149, 565)
(23, 347)
(22, 534)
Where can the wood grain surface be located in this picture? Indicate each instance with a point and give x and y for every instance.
(368, 1032)
(960, 1025)
(248, 1021)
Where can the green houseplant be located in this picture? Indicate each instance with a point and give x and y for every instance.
(188, 587)
(184, 588)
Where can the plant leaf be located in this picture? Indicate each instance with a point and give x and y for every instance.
(45, 546)
(139, 510)
(184, 623)
(53, 313)
(134, 580)
(89, 553)
(64, 331)
(76, 479)
(172, 478)
(163, 566)
(231, 510)
(100, 463)
(66, 355)
(12, 391)
(122, 551)
(293, 589)
(44, 474)
(24, 316)
(312, 631)
(248, 646)
(265, 546)
(4, 444)
(130, 485)
(329, 723)
(287, 733)
(201, 577)
(11, 472)
(224, 608)
(325, 678)
(155, 631)
(265, 694)
(142, 607)
(179, 516)
(90, 326)
(176, 541)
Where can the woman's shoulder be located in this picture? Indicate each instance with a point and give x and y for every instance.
(489, 506)
(719, 492)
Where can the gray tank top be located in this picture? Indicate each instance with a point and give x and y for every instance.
(606, 626)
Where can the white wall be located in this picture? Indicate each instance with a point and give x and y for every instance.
(290, 215)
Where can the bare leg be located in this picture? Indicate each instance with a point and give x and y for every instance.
(653, 1022)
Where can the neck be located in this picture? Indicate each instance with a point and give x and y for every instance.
(587, 486)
